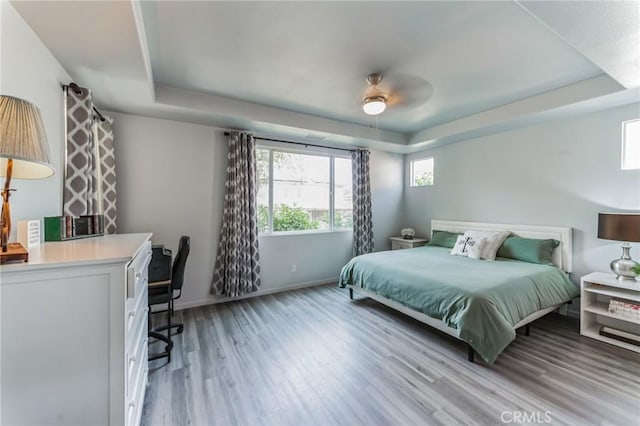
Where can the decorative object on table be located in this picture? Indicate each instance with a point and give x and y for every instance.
(24, 154)
(636, 269)
(623, 227)
(408, 233)
(29, 233)
(62, 228)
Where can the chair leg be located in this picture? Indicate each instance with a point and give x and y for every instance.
(169, 315)
(163, 338)
(154, 332)
(178, 326)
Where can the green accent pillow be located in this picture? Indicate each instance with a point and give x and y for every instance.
(443, 239)
(528, 249)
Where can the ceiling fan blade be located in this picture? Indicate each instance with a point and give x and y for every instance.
(407, 90)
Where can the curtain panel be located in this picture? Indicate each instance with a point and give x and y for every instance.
(103, 135)
(90, 175)
(362, 221)
(81, 169)
(237, 266)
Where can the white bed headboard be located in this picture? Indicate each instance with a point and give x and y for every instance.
(561, 255)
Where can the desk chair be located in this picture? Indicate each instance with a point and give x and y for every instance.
(164, 292)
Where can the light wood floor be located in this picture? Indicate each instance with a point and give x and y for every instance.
(313, 357)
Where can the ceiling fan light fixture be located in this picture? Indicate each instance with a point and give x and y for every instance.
(374, 105)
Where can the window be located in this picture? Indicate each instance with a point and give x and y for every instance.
(631, 144)
(302, 192)
(422, 172)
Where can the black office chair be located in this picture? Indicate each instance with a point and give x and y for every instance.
(164, 292)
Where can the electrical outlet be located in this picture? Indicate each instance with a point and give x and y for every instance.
(293, 267)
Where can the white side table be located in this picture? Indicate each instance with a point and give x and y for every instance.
(596, 291)
(399, 243)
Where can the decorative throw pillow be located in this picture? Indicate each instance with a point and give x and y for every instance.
(475, 251)
(493, 243)
(468, 247)
(443, 239)
(529, 249)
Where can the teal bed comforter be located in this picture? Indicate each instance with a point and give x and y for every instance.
(482, 300)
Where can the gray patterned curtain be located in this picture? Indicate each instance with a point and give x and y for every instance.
(81, 184)
(237, 267)
(362, 223)
(90, 180)
(103, 136)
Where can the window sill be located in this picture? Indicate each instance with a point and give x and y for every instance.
(302, 233)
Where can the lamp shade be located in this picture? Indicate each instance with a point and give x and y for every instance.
(23, 139)
(374, 105)
(619, 226)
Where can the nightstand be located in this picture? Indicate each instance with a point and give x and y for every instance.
(596, 291)
(399, 243)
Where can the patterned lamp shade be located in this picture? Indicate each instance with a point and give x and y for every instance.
(23, 139)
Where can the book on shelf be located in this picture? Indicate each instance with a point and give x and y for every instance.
(623, 336)
(624, 309)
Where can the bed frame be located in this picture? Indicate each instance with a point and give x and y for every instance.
(561, 258)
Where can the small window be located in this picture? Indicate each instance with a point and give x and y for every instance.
(631, 144)
(422, 172)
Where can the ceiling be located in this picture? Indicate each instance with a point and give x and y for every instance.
(454, 70)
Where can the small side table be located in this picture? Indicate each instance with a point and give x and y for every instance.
(399, 243)
(596, 291)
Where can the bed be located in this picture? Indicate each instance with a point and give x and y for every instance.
(480, 302)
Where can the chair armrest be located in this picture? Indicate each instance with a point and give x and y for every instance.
(160, 283)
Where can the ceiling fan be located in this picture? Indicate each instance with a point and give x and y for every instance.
(376, 102)
(407, 91)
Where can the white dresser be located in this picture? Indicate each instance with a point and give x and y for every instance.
(73, 325)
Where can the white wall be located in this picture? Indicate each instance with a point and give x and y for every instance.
(29, 71)
(557, 173)
(170, 181)
(387, 195)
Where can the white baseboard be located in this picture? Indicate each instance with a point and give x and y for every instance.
(214, 300)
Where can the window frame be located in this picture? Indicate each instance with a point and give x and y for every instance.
(624, 142)
(411, 169)
(332, 154)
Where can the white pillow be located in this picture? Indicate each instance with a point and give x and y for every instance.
(468, 247)
(493, 243)
(475, 251)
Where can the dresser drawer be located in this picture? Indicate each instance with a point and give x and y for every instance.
(136, 400)
(398, 246)
(137, 313)
(138, 271)
(137, 359)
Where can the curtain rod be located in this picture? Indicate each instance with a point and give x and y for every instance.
(78, 91)
(299, 143)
